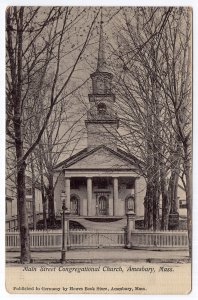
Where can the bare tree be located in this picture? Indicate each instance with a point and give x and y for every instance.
(36, 44)
(176, 84)
(152, 69)
(61, 137)
(138, 89)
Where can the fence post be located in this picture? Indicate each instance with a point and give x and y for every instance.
(67, 214)
(130, 227)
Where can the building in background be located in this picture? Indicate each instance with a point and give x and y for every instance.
(11, 202)
(182, 206)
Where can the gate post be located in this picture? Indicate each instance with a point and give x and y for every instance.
(65, 230)
(130, 227)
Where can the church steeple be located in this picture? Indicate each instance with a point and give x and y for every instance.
(101, 64)
(101, 78)
(102, 121)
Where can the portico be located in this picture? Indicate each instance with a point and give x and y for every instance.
(100, 193)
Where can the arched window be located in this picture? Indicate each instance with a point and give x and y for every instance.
(102, 108)
(75, 205)
(130, 203)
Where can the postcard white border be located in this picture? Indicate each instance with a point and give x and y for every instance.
(194, 5)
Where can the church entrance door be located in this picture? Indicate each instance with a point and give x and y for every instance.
(103, 206)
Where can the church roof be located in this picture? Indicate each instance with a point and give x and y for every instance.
(101, 157)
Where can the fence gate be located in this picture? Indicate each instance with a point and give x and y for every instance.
(96, 239)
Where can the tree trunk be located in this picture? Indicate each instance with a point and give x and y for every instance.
(44, 198)
(21, 203)
(155, 109)
(156, 196)
(165, 210)
(33, 205)
(173, 187)
(173, 222)
(16, 77)
(44, 204)
(148, 202)
(33, 194)
(21, 199)
(148, 219)
(146, 209)
(165, 200)
(18, 215)
(173, 192)
(175, 177)
(50, 195)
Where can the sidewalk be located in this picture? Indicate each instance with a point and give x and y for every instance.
(103, 255)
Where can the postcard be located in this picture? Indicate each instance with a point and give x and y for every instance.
(98, 150)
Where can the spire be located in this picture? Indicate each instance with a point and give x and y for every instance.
(101, 55)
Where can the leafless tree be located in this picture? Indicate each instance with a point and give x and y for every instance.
(39, 43)
(153, 81)
(60, 139)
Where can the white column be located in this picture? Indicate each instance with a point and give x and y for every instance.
(89, 196)
(111, 204)
(67, 193)
(115, 197)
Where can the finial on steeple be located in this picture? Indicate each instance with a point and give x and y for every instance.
(101, 55)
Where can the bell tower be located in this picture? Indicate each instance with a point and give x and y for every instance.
(102, 122)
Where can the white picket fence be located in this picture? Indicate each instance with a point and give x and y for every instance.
(39, 239)
(140, 239)
(52, 239)
(159, 239)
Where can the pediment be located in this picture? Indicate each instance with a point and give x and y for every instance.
(102, 158)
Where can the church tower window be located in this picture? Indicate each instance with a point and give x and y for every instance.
(100, 87)
(102, 108)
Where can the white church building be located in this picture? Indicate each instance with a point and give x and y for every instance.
(101, 181)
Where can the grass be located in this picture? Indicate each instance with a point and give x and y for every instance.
(139, 224)
(57, 225)
(102, 220)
